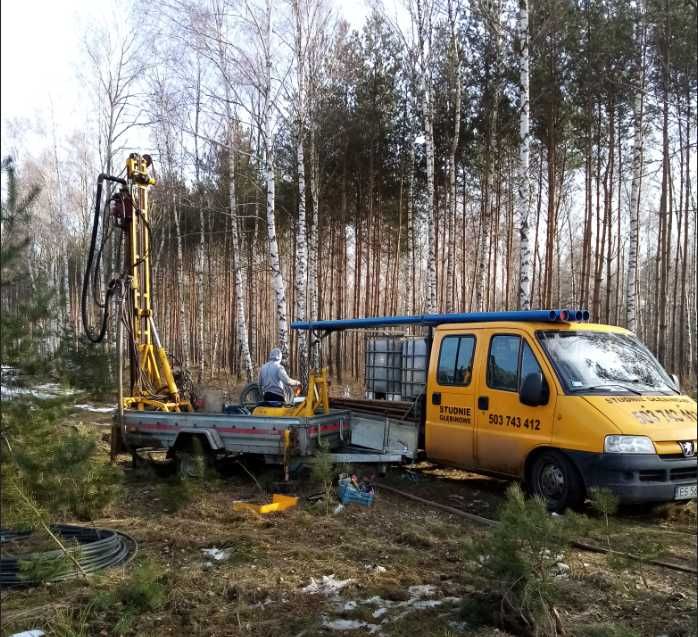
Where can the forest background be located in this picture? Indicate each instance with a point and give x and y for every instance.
(445, 155)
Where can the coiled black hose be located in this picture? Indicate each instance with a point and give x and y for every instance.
(98, 336)
(94, 549)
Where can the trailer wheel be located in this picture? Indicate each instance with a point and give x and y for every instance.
(190, 465)
(193, 457)
(556, 480)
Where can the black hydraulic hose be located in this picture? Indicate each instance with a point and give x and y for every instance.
(94, 549)
(99, 336)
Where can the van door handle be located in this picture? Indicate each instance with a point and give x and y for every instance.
(483, 402)
(436, 398)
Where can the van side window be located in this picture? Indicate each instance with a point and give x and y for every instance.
(503, 363)
(456, 360)
(529, 364)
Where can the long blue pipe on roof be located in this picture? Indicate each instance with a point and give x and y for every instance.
(547, 316)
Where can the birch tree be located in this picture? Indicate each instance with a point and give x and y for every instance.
(638, 142)
(267, 127)
(491, 11)
(301, 282)
(165, 117)
(423, 18)
(523, 189)
(314, 248)
(241, 322)
(455, 95)
(222, 56)
(201, 254)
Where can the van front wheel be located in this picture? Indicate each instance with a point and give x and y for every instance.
(554, 478)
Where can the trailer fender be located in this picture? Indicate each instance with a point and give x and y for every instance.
(213, 438)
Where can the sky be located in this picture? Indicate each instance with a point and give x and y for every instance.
(41, 49)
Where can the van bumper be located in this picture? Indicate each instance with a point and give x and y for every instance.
(635, 478)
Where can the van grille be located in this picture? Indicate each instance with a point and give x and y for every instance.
(684, 473)
(652, 475)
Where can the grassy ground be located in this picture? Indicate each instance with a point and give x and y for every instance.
(404, 563)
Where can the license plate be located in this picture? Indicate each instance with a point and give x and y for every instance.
(685, 493)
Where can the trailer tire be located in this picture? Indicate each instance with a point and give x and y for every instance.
(193, 456)
(555, 479)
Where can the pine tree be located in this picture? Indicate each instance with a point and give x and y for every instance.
(25, 300)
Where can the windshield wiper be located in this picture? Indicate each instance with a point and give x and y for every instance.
(640, 382)
(632, 390)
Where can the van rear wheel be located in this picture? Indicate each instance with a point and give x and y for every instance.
(554, 478)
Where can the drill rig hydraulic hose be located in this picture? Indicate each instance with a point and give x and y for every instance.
(89, 274)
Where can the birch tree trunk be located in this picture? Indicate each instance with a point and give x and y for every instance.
(237, 261)
(456, 102)
(277, 278)
(523, 187)
(411, 236)
(245, 357)
(301, 278)
(424, 34)
(480, 299)
(183, 327)
(313, 249)
(200, 254)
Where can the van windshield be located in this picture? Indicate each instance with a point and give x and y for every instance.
(604, 362)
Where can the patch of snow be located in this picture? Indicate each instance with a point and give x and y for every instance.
(41, 392)
(376, 568)
(379, 612)
(460, 627)
(35, 632)
(350, 624)
(350, 605)
(452, 600)
(98, 410)
(327, 585)
(422, 590)
(426, 603)
(376, 600)
(7, 371)
(217, 554)
(563, 570)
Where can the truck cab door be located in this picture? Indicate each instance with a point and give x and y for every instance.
(450, 399)
(507, 430)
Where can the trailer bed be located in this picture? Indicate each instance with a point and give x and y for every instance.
(348, 434)
(236, 434)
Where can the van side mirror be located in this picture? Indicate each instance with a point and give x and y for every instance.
(675, 378)
(534, 390)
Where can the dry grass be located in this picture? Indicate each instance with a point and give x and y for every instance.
(257, 592)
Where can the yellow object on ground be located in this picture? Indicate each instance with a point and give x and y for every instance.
(279, 502)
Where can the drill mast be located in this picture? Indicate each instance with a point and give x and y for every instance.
(152, 382)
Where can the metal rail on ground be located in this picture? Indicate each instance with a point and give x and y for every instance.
(576, 544)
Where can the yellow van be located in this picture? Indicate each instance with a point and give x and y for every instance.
(564, 406)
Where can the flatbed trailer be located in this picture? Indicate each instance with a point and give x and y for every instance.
(349, 436)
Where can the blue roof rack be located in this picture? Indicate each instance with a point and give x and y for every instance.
(546, 316)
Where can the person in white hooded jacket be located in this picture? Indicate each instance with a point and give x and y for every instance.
(273, 379)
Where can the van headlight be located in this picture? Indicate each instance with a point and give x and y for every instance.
(628, 444)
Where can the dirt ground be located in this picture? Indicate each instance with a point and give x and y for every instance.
(398, 566)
